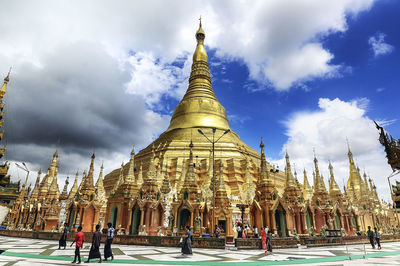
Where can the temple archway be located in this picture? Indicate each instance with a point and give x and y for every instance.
(136, 215)
(309, 218)
(114, 214)
(280, 222)
(337, 220)
(184, 218)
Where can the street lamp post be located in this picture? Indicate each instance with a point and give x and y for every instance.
(213, 141)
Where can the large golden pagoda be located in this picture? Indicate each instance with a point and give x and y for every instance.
(168, 184)
(199, 109)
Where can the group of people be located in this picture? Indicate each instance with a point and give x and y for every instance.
(374, 237)
(94, 252)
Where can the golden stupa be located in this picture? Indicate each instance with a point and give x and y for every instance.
(199, 109)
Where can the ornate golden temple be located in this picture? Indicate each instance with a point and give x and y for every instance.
(179, 179)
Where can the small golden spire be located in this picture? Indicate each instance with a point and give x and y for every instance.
(7, 78)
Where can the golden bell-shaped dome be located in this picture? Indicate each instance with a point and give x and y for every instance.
(199, 107)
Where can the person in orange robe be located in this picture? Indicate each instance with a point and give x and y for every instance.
(264, 239)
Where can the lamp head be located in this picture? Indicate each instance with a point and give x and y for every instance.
(201, 132)
(227, 131)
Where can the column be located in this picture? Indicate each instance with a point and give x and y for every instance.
(298, 225)
(303, 223)
(273, 227)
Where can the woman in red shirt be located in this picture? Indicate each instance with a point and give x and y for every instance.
(79, 238)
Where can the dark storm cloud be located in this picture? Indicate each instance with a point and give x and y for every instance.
(74, 100)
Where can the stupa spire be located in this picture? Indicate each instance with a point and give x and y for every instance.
(199, 107)
(74, 188)
(131, 172)
(333, 186)
(4, 87)
(90, 182)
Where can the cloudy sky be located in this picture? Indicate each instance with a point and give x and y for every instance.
(105, 75)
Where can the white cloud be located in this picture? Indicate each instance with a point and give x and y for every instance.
(378, 45)
(326, 130)
(66, 53)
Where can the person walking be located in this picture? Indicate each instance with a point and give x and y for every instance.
(269, 242)
(107, 247)
(264, 240)
(79, 238)
(187, 243)
(63, 239)
(239, 230)
(370, 234)
(377, 237)
(217, 231)
(255, 230)
(95, 248)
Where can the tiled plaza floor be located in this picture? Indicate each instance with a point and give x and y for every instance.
(23, 251)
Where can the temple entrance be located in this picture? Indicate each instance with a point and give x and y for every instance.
(354, 222)
(337, 220)
(34, 219)
(114, 214)
(280, 223)
(136, 215)
(184, 218)
(71, 217)
(222, 225)
(309, 221)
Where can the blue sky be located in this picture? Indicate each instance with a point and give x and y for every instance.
(303, 75)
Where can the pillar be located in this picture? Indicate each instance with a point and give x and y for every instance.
(273, 227)
(298, 225)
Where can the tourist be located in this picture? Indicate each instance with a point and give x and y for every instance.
(264, 239)
(187, 242)
(79, 238)
(107, 247)
(217, 231)
(95, 248)
(269, 242)
(63, 240)
(239, 230)
(371, 236)
(244, 233)
(377, 236)
(255, 231)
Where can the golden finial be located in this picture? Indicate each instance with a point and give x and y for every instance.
(200, 34)
(7, 78)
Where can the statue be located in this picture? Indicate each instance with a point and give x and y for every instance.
(311, 231)
(159, 231)
(170, 222)
(330, 222)
(392, 148)
(322, 232)
(198, 223)
(143, 231)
